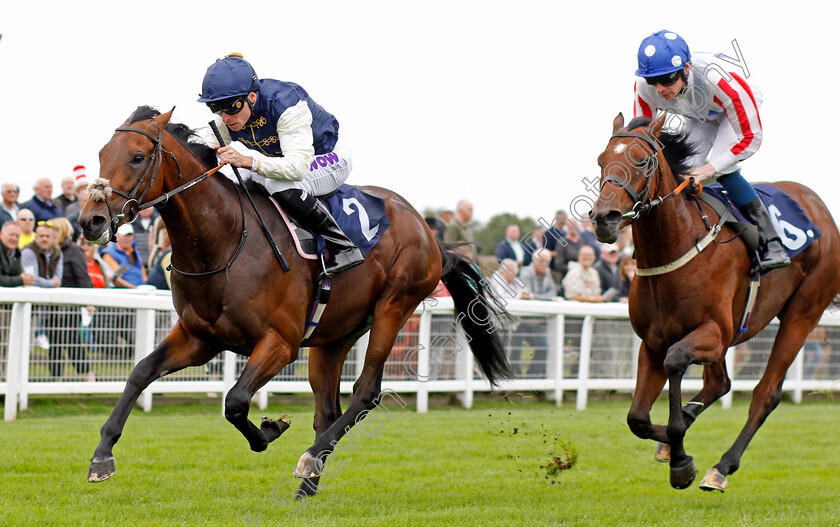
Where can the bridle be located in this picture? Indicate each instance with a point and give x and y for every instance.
(135, 204)
(642, 202)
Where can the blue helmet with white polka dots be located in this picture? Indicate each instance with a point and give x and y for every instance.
(661, 53)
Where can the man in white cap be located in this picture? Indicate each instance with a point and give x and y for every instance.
(74, 209)
(122, 257)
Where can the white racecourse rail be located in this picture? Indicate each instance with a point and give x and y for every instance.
(554, 347)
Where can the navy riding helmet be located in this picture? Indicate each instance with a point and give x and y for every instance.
(228, 81)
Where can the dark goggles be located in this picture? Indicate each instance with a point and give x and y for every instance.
(665, 80)
(230, 106)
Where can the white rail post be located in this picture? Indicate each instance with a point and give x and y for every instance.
(144, 341)
(228, 374)
(465, 365)
(798, 375)
(424, 353)
(14, 359)
(729, 360)
(583, 368)
(556, 345)
(25, 354)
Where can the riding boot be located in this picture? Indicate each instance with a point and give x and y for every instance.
(309, 211)
(773, 253)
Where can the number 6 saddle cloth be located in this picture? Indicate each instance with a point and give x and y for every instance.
(795, 228)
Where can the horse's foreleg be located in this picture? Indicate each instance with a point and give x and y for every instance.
(177, 351)
(766, 396)
(324, 376)
(703, 345)
(270, 355)
(649, 382)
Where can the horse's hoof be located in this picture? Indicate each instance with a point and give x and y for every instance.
(682, 477)
(663, 453)
(273, 428)
(101, 469)
(308, 466)
(713, 480)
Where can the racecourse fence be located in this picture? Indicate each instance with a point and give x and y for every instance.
(47, 346)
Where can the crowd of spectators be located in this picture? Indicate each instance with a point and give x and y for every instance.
(41, 245)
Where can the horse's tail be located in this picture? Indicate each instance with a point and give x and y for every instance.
(478, 312)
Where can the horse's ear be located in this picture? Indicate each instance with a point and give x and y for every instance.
(656, 126)
(160, 122)
(618, 122)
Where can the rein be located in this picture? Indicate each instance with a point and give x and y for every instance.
(100, 190)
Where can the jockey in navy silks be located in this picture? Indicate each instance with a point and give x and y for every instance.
(291, 142)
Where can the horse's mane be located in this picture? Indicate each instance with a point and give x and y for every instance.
(675, 147)
(183, 133)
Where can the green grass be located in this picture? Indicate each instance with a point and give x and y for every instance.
(183, 464)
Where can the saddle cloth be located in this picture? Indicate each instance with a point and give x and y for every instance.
(795, 228)
(361, 216)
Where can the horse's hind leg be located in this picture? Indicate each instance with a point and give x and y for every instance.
(766, 395)
(271, 354)
(177, 351)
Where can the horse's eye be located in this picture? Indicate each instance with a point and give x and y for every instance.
(137, 159)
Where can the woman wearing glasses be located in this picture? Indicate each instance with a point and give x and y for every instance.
(721, 107)
(290, 140)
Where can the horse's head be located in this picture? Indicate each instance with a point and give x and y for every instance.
(128, 176)
(629, 165)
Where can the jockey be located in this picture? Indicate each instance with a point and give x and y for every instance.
(722, 120)
(284, 131)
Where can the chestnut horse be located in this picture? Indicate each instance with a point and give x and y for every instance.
(691, 315)
(254, 308)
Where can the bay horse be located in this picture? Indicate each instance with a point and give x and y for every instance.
(691, 315)
(256, 309)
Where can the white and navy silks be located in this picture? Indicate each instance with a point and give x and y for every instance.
(722, 111)
(292, 139)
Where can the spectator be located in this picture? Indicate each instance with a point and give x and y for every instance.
(608, 271)
(446, 216)
(582, 282)
(122, 257)
(504, 282)
(437, 226)
(65, 330)
(511, 248)
(566, 250)
(100, 274)
(159, 276)
(11, 268)
(74, 210)
(533, 242)
(458, 230)
(587, 234)
(143, 227)
(75, 265)
(9, 206)
(557, 231)
(535, 283)
(41, 204)
(626, 271)
(68, 189)
(26, 220)
(539, 285)
(44, 256)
